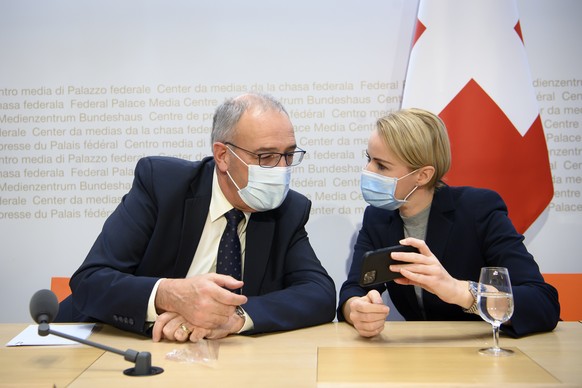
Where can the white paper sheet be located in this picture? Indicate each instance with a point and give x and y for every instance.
(30, 337)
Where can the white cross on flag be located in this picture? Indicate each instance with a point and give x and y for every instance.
(468, 65)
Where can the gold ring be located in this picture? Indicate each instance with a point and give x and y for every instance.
(186, 330)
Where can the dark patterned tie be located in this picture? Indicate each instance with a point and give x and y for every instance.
(228, 260)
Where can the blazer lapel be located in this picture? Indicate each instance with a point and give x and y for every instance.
(440, 222)
(195, 213)
(390, 232)
(196, 207)
(259, 239)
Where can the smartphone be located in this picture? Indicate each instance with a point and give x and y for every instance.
(375, 267)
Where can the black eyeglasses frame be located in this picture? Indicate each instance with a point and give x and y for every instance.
(297, 154)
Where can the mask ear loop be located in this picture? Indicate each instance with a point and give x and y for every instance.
(415, 187)
(409, 194)
(410, 173)
(232, 180)
(238, 157)
(228, 172)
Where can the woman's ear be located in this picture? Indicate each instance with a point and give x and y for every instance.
(425, 175)
(219, 150)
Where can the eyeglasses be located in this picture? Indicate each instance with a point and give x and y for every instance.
(272, 159)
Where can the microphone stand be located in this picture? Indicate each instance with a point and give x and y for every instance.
(142, 360)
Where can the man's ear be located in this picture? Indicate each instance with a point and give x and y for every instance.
(425, 175)
(220, 152)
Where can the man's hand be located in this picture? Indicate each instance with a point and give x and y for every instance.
(234, 324)
(367, 314)
(174, 327)
(204, 300)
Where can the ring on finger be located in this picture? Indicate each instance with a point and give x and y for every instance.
(185, 329)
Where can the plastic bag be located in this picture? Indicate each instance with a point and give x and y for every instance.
(201, 352)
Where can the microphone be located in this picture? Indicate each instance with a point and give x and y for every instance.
(44, 307)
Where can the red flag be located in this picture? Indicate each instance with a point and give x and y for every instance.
(468, 65)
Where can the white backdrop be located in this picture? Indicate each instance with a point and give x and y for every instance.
(86, 88)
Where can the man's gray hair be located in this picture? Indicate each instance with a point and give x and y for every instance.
(230, 111)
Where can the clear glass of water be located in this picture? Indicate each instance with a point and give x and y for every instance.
(495, 304)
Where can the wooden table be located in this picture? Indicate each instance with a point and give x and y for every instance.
(406, 353)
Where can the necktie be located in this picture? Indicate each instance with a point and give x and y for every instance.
(228, 260)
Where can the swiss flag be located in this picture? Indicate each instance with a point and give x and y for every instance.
(468, 65)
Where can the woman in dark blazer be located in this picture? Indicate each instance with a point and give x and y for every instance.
(457, 230)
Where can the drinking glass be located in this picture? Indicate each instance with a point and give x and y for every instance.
(495, 304)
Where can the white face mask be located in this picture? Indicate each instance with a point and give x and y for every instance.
(266, 188)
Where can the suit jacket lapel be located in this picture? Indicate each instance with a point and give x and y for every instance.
(196, 207)
(259, 239)
(388, 232)
(440, 222)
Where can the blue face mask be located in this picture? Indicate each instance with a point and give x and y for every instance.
(379, 190)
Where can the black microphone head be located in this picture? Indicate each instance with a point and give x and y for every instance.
(44, 306)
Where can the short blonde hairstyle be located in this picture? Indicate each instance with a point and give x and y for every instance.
(418, 138)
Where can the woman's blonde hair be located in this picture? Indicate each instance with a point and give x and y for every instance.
(418, 138)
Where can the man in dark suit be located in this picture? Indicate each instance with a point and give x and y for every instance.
(154, 265)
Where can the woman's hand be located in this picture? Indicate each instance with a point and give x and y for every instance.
(425, 270)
